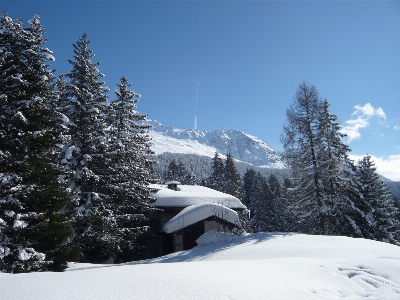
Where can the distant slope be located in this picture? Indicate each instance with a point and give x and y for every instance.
(241, 146)
(394, 188)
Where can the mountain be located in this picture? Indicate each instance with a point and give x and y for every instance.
(384, 179)
(242, 146)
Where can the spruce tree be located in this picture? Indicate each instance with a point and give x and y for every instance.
(337, 176)
(217, 179)
(278, 220)
(182, 172)
(172, 172)
(85, 105)
(287, 200)
(190, 179)
(248, 179)
(33, 229)
(125, 180)
(381, 216)
(233, 183)
(260, 204)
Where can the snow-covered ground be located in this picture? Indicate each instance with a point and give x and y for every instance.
(254, 266)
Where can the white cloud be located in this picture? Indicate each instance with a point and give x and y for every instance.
(380, 113)
(388, 167)
(362, 114)
(396, 127)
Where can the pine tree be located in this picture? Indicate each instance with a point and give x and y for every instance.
(190, 179)
(300, 144)
(318, 159)
(32, 228)
(233, 183)
(179, 173)
(381, 216)
(260, 204)
(290, 215)
(172, 172)
(337, 176)
(216, 180)
(276, 188)
(248, 179)
(278, 220)
(182, 172)
(85, 105)
(125, 181)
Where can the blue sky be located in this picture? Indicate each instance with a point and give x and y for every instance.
(237, 64)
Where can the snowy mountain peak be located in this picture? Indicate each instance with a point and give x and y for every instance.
(243, 147)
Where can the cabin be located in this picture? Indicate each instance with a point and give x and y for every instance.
(185, 212)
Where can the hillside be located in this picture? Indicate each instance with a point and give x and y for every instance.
(254, 266)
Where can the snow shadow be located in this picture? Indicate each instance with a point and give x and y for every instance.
(217, 242)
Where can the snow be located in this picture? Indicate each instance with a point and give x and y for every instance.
(163, 143)
(9, 213)
(21, 117)
(20, 224)
(172, 182)
(69, 151)
(187, 195)
(24, 255)
(254, 266)
(49, 57)
(195, 213)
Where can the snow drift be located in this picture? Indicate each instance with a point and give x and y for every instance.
(254, 266)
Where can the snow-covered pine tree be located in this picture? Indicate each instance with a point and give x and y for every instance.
(85, 105)
(300, 145)
(172, 172)
(33, 230)
(233, 183)
(217, 179)
(190, 179)
(260, 204)
(321, 168)
(290, 215)
(233, 186)
(248, 179)
(374, 201)
(337, 176)
(182, 172)
(279, 217)
(125, 181)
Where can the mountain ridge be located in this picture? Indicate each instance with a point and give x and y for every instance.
(242, 146)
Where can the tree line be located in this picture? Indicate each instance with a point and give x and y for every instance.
(74, 167)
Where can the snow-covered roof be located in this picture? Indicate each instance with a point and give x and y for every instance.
(172, 182)
(196, 213)
(187, 195)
